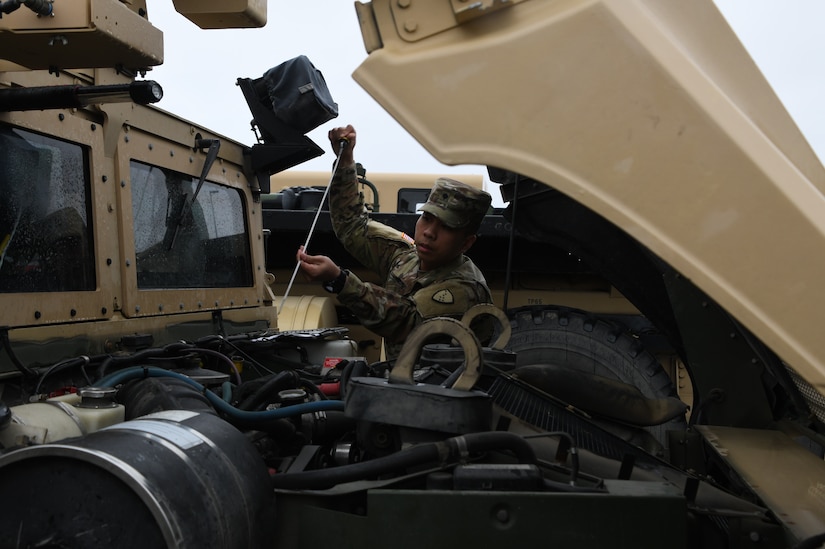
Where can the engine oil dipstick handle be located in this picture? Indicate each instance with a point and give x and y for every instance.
(342, 144)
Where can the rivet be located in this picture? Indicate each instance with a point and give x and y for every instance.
(73, 313)
(37, 315)
(404, 4)
(128, 263)
(94, 127)
(410, 26)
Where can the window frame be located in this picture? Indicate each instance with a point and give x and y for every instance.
(157, 151)
(36, 308)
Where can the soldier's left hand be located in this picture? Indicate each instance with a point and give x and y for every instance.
(317, 268)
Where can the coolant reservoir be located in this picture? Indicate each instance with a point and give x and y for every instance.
(67, 416)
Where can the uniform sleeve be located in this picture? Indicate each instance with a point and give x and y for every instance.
(373, 244)
(393, 316)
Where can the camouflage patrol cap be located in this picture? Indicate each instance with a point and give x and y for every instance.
(456, 204)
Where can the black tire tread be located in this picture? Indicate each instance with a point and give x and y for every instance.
(579, 340)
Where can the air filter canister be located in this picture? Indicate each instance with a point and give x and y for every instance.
(171, 479)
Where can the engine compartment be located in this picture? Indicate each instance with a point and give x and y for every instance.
(255, 441)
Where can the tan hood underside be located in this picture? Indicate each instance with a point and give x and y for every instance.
(650, 113)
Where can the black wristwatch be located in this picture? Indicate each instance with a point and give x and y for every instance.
(335, 285)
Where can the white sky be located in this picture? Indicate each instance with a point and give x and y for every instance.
(198, 76)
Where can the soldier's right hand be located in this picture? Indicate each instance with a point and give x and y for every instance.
(337, 135)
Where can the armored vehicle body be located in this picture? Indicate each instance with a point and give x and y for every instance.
(664, 388)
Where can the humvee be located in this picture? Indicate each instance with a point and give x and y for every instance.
(152, 394)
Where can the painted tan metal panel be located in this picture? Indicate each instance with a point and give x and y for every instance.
(223, 14)
(614, 103)
(156, 151)
(82, 33)
(786, 476)
(38, 309)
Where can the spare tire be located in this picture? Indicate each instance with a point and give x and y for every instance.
(581, 341)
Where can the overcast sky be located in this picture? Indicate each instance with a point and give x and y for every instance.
(785, 38)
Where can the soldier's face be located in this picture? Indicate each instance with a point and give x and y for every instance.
(438, 244)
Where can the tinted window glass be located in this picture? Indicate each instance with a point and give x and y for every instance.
(45, 225)
(185, 244)
(410, 199)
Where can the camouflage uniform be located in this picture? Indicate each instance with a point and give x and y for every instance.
(408, 295)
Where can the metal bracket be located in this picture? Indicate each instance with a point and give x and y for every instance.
(466, 10)
(487, 309)
(419, 19)
(402, 372)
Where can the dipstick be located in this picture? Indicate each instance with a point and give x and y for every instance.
(341, 145)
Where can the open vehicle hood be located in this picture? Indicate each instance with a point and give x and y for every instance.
(649, 113)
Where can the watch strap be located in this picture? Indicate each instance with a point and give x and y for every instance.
(335, 285)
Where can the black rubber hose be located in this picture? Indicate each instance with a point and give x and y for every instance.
(63, 365)
(354, 368)
(284, 380)
(310, 387)
(497, 440)
(6, 343)
(326, 478)
(444, 452)
(134, 358)
(334, 426)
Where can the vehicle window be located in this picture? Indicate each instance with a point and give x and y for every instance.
(45, 225)
(181, 244)
(409, 200)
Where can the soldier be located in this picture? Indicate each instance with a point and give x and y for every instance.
(426, 277)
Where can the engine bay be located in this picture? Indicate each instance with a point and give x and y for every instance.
(253, 440)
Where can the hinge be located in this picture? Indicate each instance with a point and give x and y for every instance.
(369, 27)
(419, 19)
(465, 10)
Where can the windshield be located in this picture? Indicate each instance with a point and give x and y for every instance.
(202, 246)
(45, 232)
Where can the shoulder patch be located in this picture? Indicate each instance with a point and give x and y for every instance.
(444, 296)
